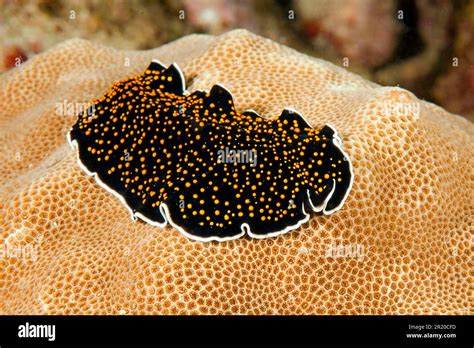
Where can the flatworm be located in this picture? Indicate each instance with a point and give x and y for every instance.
(191, 160)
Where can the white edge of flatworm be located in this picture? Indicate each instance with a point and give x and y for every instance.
(245, 226)
(181, 75)
(277, 233)
(157, 61)
(218, 84)
(299, 114)
(134, 215)
(323, 205)
(338, 143)
(252, 110)
(165, 211)
(73, 144)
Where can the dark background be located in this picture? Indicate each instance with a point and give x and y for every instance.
(425, 46)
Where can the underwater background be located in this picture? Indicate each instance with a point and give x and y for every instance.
(424, 46)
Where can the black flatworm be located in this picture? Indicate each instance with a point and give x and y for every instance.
(191, 160)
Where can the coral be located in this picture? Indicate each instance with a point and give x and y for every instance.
(401, 244)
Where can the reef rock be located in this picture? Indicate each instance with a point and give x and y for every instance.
(401, 244)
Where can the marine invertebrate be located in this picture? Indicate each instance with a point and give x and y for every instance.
(161, 151)
(404, 233)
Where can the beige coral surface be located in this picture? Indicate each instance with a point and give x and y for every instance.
(402, 243)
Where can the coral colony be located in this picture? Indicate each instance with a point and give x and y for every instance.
(191, 160)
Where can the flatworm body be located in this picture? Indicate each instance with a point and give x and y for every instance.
(191, 160)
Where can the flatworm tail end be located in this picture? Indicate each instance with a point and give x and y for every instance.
(343, 184)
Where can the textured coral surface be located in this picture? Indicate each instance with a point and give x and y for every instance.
(402, 243)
